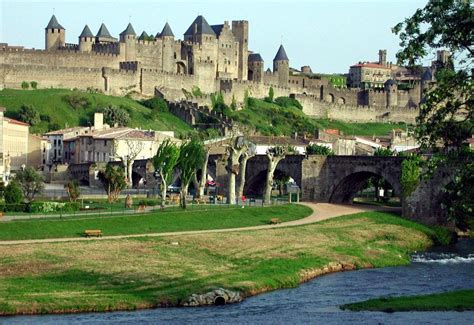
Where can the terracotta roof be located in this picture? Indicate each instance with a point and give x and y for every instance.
(67, 130)
(264, 140)
(12, 121)
(370, 65)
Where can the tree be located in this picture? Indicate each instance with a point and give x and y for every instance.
(237, 145)
(31, 182)
(133, 149)
(34, 84)
(165, 161)
(25, 85)
(316, 149)
(73, 190)
(29, 114)
(13, 193)
(2, 190)
(114, 115)
(274, 155)
(113, 181)
(281, 181)
(271, 95)
(191, 156)
(246, 155)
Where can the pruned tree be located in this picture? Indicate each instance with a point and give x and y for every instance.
(236, 146)
(191, 157)
(274, 155)
(73, 190)
(165, 161)
(133, 149)
(246, 155)
(113, 181)
(31, 182)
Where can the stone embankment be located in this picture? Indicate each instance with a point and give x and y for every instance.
(216, 297)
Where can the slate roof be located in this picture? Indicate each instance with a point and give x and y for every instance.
(144, 36)
(217, 28)
(167, 31)
(255, 57)
(390, 82)
(281, 55)
(86, 32)
(202, 27)
(427, 75)
(103, 32)
(129, 30)
(53, 23)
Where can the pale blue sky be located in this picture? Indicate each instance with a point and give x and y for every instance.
(327, 35)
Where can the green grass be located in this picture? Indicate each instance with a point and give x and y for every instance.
(157, 221)
(461, 300)
(272, 119)
(51, 102)
(145, 272)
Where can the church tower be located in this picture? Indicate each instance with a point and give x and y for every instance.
(55, 35)
(281, 66)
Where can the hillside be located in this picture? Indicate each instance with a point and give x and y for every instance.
(272, 119)
(55, 104)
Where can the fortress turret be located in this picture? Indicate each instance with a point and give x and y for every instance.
(128, 43)
(281, 66)
(55, 35)
(255, 67)
(391, 90)
(383, 57)
(103, 35)
(199, 31)
(167, 37)
(86, 39)
(240, 29)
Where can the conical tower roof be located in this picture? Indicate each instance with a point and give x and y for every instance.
(86, 32)
(281, 55)
(103, 32)
(202, 27)
(53, 24)
(167, 31)
(129, 30)
(144, 36)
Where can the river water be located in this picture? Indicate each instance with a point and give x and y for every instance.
(318, 301)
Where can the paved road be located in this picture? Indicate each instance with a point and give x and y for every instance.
(321, 211)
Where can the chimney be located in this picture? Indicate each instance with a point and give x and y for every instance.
(98, 121)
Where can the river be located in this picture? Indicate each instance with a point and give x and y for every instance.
(318, 301)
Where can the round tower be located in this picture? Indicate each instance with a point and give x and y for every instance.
(255, 67)
(168, 54)
(55, 35)
(391, 91)
(281, 66)
(128, 43)
(86, 39)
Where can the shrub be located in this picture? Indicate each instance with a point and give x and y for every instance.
(157, 104)
(13, 193)
(114, 115)
(196, 91)
(315, 149)
(384, 152)
(150, 202)
(25, 85)
(45, 118)
(77, 101)
(288, 102)
(443, 236)
(28, 114)
(34, 84)
(2, 190)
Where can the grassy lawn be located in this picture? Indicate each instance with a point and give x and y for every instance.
(461, 300)
(52, 102)
(145, 272)
(272, 119)
(156, 221)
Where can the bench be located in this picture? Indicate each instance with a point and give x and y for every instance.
(275, 221)
(93, 233)
(141, 208)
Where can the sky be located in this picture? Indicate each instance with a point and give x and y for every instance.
(328, 35)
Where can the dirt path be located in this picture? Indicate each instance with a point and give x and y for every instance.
(321, 211)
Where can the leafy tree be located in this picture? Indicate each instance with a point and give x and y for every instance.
(29, 114)
(73, 190)
(384, 152)
(316, 149)
(13, 193)
(2, 190)
(271, 95)
(236, 147)
(274, 155)
(411, 173)
(34, 84)
(31, 182)
(157, 104)
(281, 181)
(288, 102)
(113, 181)
(191, 156)
(165, 161)
(114, 115)
(25, 85)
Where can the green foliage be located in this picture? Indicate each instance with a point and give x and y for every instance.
(73, 190)
(45, 118)
(34, 85)
(196, 91)
(219, 105)
(25, 85)
(113, 181)
(157, 104)
(77, 101)
(233, 105)
(149, 202)
(114, 115)
(13, 194)
(411, 173)
(28, 114)
(246, 99)
(191, 157)
(315, 149)
(288, 102)
(271, 95)
(443, 236)
(187, 94)
(2, 190)
(31, 182)
(165, 161)
(384, 152)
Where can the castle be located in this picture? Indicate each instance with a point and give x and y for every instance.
(215, 58)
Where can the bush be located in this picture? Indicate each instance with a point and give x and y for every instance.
(150, 203)
(34, 84)
(13, 193)
(288, 102)
(114, 115)
(2, 190)
(196, 91)
(45, 118)
(77, 101)
(28, 114)
(157, 104)
(314, 149)
(443, 236)
(25, 85)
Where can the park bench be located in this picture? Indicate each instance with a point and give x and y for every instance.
(275, 221)
(93, 233)
(141, 208)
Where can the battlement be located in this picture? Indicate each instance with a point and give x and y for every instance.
(148, 43)
(112, 48)
(129, 65)
(48, 68)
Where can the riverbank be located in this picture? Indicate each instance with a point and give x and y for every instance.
(460, 300)
(129, 274)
